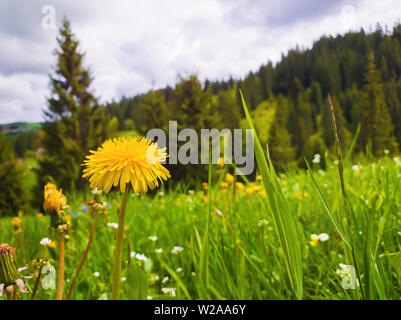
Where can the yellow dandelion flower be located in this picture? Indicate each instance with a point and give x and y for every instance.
(68, 219)
(16, 222)
(223, 185)
(263, 193)
(39, 215)
(239, 185)
(259, 177)
(298, 194)
(229, 178)
(256, 188)
(120, 161)
(55, 201)
(205, 185)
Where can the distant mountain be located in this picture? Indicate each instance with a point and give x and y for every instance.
(18, 127)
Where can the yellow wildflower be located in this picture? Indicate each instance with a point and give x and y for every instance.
(120, 161)
(298, 194)
(318, 238)
(16, 222)
(54, 199)
(239, 185)
(229, 178)
(315, 240)
(263, 193)
(54, 204)
(68, 219)
(256, 188)
(223, 185)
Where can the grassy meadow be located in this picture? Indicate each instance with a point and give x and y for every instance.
(164, 247)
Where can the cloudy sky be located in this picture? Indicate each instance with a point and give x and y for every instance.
(132, 46)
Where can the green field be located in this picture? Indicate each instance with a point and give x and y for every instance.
(245, 259)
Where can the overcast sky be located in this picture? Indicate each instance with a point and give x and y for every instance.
(132, 46)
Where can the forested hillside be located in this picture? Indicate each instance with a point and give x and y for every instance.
(360, 71)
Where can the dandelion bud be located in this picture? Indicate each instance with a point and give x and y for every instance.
(9, 272)
(16, 222)
(54, 204)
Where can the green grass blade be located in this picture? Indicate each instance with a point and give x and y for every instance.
(328, 211)
(283, 218)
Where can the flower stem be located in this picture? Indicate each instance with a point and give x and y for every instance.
(37, 283)
(81, 263)
(61, 268)
(119, 246)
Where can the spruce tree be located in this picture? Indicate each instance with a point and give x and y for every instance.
(13, 192)
(377, 125)
(280, 146)
(75, 122)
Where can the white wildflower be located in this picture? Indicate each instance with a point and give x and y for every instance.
(139, 256)
(96, 191)
(169, 291)
(263, 222)
(45, 242)
(177, 250)
(323, 237)
(316, 158)
(113, 225)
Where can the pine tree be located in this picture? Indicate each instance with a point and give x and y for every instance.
(191, 105)
(228, 111)
(280, 146)
(391, 90)
(250, 87)
(377, 125)
(13, 194)
(266, 80)
(75, 122)
(152, 112)
(300, 138)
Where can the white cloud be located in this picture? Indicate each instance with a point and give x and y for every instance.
(133, 46)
